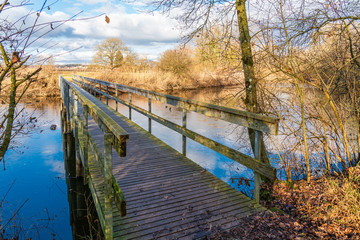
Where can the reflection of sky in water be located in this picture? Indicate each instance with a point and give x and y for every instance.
(56, 166)
(40, 177)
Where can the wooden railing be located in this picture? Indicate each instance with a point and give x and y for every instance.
(114, 136)
(260, 123)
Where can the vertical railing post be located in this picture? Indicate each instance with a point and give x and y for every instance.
(117, 95)
(184, 113)
(71, 110)
(79, 167)
(108, 141)
(149, 119)
(100, 90)
(129, 105)
(66, 98)
(86, 143)
(83, 83)
(107, 93)
(256, 175)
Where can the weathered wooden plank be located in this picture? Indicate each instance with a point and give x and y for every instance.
(181, 223)
(180, 213)
(174, 207)
(171, 194)
(192, 231)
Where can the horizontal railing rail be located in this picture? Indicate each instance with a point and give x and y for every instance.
(266, 124)
(259, 123)
(114, 137)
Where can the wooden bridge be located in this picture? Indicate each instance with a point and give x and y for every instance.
(143, 188)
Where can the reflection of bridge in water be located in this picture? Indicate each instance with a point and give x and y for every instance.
(82, 212)
(141, 187)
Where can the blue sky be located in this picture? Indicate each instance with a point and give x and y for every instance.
(146, 34)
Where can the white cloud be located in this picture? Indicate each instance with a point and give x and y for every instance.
(91, 2)
(147, 35)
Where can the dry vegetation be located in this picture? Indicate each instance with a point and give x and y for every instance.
(325, 208)
(158, 80)
(328, 204)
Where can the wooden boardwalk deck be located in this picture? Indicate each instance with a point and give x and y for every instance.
(168, 196)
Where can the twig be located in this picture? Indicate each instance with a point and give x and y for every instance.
(12, 184)
(15, 213)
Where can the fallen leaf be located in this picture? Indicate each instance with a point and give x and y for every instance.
(107, 19)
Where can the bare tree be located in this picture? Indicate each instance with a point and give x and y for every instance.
(198, 16)
(313, 45)
(19, 67)
(111, 53)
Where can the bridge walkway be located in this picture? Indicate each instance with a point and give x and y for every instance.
(168, 196)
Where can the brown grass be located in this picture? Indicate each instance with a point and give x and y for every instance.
(157, 80)
(46, 84)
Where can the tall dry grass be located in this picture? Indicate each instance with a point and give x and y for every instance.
(158, 80)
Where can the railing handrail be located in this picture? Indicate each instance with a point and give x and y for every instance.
(114, 137)
(267, 124)
(253, 163)
(90, 101)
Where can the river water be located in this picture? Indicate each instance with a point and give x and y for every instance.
(38, 184)
(35, 176)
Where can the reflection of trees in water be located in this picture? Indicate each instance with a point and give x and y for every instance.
(14, 226)
(326, 150)
(222, 96)
(31, 116)
(325, 140)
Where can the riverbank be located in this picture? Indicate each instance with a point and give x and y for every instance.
(47, 83)
(156, 80)
(326, 208)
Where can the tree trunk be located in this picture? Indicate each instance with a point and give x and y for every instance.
(10, 116)
(249, 73)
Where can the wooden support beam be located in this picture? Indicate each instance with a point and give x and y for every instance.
(100, 91)
(149, 119)
(108, 189)
(86, 143)
(130, 105)
(107, 94)
(257, 175)
(183, 136)
(116, 103)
